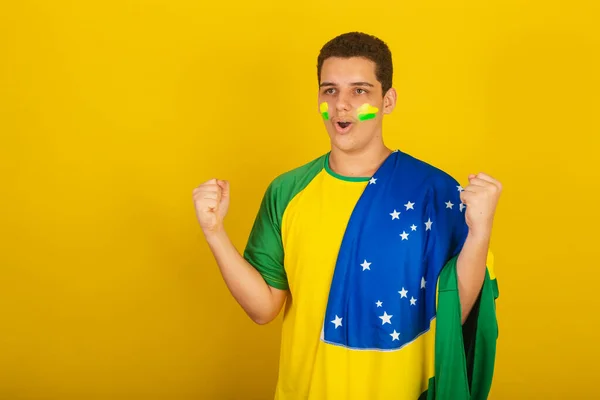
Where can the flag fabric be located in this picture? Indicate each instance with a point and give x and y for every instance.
(406, 226)
(398, 253)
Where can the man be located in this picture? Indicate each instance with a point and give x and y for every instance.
(379, 257)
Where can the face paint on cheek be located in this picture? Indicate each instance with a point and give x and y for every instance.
(325, 111)
(366, 111)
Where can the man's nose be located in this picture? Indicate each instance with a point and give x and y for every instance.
(343, 103)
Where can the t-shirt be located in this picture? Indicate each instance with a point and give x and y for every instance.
(294, 244)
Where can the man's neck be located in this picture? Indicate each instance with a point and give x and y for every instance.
(363, 163)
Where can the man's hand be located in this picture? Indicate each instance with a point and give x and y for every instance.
(481, 197)
(211, 200)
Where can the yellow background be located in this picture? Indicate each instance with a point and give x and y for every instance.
(111, 112)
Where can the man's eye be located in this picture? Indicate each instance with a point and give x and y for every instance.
(360, 91)
(329, 91)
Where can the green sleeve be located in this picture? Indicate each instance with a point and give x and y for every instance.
(264, 250)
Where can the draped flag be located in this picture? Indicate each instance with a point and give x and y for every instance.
(407, 225)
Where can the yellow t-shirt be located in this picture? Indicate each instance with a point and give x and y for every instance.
(294, 244)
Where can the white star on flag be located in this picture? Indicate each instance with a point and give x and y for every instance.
(409, 206)
(404, 235)
(379, 303)
(413, 227)
(372, 181)
(428, 224)
(337, 322)
(403, 292)
(423, 282)
(462, 206)
(385, 318)
(449, 204)
(413, 301)
(395, 215)
(395, 335)
(366, 265)
(460, 188)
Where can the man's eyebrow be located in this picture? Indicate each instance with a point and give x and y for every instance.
(352, 84)
(361, 84)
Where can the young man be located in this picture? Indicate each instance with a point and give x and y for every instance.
(381, 259)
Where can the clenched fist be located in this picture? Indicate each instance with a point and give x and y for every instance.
(211, 200)
(481, 197)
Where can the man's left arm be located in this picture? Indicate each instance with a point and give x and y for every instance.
(481, 197)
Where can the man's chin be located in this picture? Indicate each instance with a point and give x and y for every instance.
(344, 143)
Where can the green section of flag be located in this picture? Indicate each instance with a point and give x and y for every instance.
(325, 115)
(464, 352)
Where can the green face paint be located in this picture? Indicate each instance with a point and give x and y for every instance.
(366, 111)
(325, 111)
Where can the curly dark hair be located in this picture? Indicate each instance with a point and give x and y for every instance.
(358, 44)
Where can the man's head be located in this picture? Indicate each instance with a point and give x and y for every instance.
(355, 89)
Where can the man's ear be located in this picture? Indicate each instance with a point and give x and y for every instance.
(389, 101)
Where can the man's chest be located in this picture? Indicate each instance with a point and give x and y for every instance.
(312, 231)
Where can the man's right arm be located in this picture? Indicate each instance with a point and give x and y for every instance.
(261, 301)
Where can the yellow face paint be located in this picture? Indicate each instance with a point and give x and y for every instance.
(325, 111)
(366, 111)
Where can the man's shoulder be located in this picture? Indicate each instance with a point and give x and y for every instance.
(298, 176)
(431, 174)
(287, 184)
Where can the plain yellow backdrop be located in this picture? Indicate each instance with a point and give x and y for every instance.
(112, 112)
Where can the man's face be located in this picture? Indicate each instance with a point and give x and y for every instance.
(351, 102)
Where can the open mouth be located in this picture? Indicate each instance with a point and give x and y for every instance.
(343, 126)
